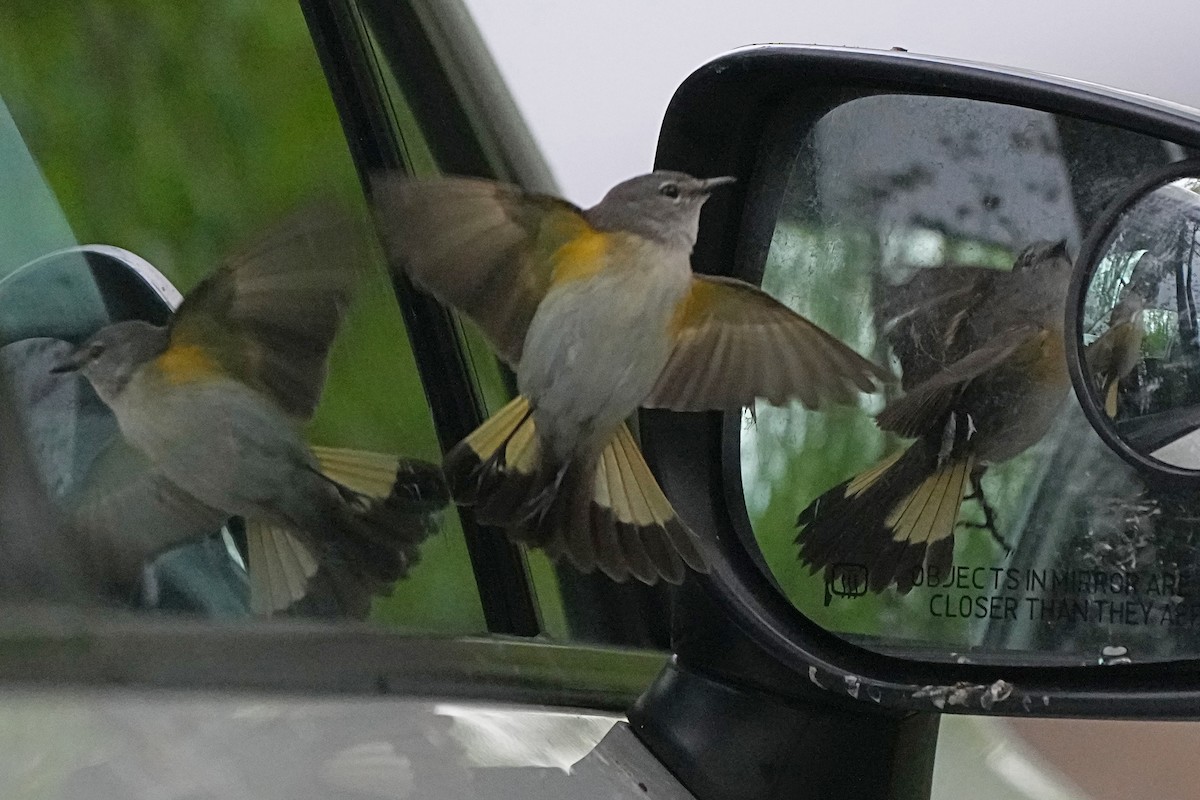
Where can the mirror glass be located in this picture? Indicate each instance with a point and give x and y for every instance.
(968, 511)
(1140, 348)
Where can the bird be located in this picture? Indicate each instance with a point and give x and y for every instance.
(598, 313)
(210, 408)
(1116, 352)
(984, 375)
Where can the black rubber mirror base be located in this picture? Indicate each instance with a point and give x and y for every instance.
(770, 733)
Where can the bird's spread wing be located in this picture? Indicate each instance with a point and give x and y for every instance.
(269, 314)
(482, 247)
(734, 342)
(923, 317)
(922, 406)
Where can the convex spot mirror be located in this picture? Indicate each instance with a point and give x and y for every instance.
(967, 524)
(1136, 345)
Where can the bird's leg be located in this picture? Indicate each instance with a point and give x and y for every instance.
(989, 513)
(419, 483)
(538, 506)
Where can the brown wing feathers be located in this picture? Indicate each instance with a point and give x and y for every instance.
(476, 245)
(734, 343)
(268, 316)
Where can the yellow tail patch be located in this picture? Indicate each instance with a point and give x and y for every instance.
(279, 567)
(280, 564)
(625, 484)
(930, 512)
(1110, 400)
(372, 474)
(651, 540)
(864, 480)
(501, 430)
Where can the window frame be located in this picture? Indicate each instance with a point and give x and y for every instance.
(339, 35)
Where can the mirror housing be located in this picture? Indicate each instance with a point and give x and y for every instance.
(724, 120)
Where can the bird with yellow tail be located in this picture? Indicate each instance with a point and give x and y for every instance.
(209, 410)
(1114, 354)
(984, 375)
(598, 312)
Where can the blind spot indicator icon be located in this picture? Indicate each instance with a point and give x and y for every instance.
(845, 580)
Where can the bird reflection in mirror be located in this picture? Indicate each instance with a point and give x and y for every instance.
(984, 375)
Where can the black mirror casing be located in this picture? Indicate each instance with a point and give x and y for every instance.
(720, 123)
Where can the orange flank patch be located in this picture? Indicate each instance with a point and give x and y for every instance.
(186, 363)
(694, 306)
(581, 257)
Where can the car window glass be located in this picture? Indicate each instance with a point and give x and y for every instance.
(177, 134)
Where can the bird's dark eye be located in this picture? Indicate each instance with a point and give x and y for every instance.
(95, 351)
(670, 190)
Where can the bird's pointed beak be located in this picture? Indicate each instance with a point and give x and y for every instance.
(707, 185)
(71, 363)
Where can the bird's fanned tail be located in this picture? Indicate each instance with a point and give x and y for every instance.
(385, 508)
(605, 513)
(888, 520)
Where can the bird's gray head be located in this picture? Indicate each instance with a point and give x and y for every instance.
(1042, 273)
(110, 357)
(663, 206)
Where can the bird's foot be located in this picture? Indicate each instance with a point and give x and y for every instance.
(989, 515)
(536, 508)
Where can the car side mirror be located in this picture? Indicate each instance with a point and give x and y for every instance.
(964, 540)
